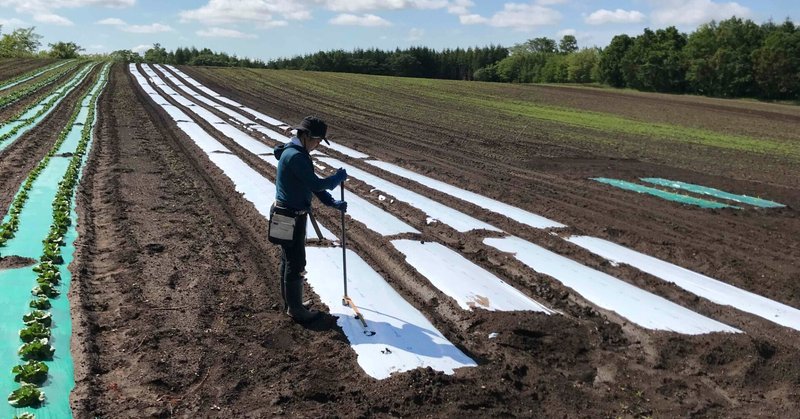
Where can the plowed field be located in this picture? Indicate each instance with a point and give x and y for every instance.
(176, 300)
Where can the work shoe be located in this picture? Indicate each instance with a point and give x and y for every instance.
(294, 299)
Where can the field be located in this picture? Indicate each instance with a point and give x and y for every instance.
(174, 296)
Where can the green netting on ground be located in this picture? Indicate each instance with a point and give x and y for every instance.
(705, 190)
(15, 294)
(8, 126)
(16, 284)
(683, 199)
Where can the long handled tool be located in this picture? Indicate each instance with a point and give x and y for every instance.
(347, 301)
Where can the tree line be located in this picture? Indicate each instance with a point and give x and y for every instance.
(25, 43)
(730, 58)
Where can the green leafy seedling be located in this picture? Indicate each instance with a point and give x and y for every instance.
(26, 396)
(39, 350)
(33, 332)
(33, 372)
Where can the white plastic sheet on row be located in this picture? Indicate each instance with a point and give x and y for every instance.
(253, 186)
(514, 213)
(714, 290)
(243, 119)
(641, 307)
(454, 218)
(404, 339)
(268, 119)
(469, 284)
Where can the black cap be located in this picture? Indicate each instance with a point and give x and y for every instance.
(316, 127)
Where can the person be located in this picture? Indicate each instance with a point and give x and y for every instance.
(295, 183)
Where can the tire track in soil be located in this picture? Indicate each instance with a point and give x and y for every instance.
(178, 304)
(551, 365)
(18, 159)
(704, 241)
(489, 258)
(651, 348)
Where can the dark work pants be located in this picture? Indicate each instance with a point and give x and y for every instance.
(293, 257)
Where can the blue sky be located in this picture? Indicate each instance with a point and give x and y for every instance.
(269, 29)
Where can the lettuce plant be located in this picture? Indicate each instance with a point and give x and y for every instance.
(33, 372)
(26, 396)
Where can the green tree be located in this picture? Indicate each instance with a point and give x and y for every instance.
(568, 44)
(22, 42)
(776, 65)
(157, 54)
(655, 61)
(535, 45)
(582, 65)
(610, 61)
(64, 50)
(719, 58)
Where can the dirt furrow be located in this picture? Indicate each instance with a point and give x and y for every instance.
(19, 158)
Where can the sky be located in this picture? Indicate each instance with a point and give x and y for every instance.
(269, 29)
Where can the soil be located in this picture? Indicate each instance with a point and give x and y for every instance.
(175, 294)
(13, 67)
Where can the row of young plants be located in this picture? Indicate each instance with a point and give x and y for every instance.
(30, 89)
(28, 75)
(36, 347)
(65, 89)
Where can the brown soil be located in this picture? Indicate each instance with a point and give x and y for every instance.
(13, 262)
(13, 67)
(176, 308)
(20, 157)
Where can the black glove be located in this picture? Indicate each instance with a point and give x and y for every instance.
(340, 205)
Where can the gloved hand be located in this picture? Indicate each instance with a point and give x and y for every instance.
(340, 205)
(340, 176)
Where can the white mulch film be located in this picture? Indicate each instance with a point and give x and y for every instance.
(404, 339)
(641, 307)
(514, 213)
(714, 290)
(244, 120)
(469, 284)
(255, 188)
(454, 218)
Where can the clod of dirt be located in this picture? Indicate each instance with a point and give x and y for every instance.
(14, 262)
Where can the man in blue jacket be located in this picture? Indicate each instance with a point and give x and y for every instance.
(295, 183)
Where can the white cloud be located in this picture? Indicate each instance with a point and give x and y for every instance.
(113, 21)
(371, 5)
(472, 19)
(416, 34)
(560, 34)
(13, 22)
(347, 19)
(42, 10)
(261, 11)
(460, 7)
(52, 19)
(694, 12)
(524, 16)
(224, 33)
(141, 48)
(604, 16)
(550, 2)
(151, 28)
